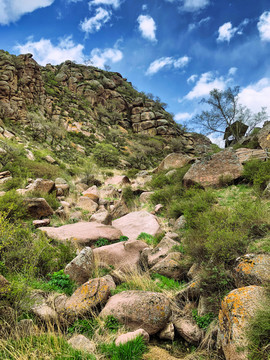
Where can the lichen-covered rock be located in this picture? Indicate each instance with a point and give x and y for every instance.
(92, 193)
(139, 310)
(188, 330)
(252, 269)
(209, 171)
(81, 267)
(237, 308)
(91, 294)
(134, 223)
(41, 185)
(245, 154)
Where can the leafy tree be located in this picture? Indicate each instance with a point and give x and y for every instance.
(226, 116)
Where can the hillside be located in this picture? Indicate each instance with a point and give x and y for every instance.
(121, 235)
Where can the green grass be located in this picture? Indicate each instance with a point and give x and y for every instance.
(132, 350)
(86, 327)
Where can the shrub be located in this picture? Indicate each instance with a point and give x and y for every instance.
(202, 321)
(112, 324)
(83, 326)
(61, 281)
(128, 195)
(257, 173)
(132, 350)
(12, 205)
(102, 242)
(106, 155)
(164, 283)
(50, 198)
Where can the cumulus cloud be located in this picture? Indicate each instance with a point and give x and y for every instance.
(192, 79)
(207, 82)
(95, 23)
(183, 116)
(100, 57)
(226, 32)
(264, 26)
(255, 96)
(113, 3)
(45, 52)
(167, 62)
(147, 27)
(193, 5)
(13, 10)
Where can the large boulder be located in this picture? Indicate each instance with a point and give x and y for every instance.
(170, 267)
(38, 207)
(83, 233)
(88, 204)
(252, 269)
(174, 160)
(264, 136)
(124, 256)
(102, 216)
(88, 296)
(245, 154)
(237, 308)
(188, 330)
(139, 310)
(119, 209)
(209, 171)
(117, 180)
(137, 222)
(92, 193)
(41, 185)
(80, 268)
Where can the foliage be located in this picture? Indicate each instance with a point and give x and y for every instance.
(106, 155)
(148, 238)
(202, 321)
(14, 183)
(123, 238)
(164, 283)
(86, 327)
(102, 242)
(12, 205)
(43, 346)
(257, 173)
(61, 281)
(111, 323)
(128, 195)
(132, 350)
(259, 333)
(50, 198)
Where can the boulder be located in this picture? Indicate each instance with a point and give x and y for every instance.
(109, 192)
(209, 171)
(264, 136)
(41, 185)
(237, 308)
(123, 256)
(88, 296)
(174, 160)
(38, 207)
(82, 343)
(252, 269)
(137, 222)
(62, 187)
(180, 223)
(139, 310)
(124, 338)
(43, 222)
(50, 159)
(46, 313)
(119, 209)
(145, 196)
(188, 330)
(245, 154)
(167, 333)
(83, 233)
(81, 267)
(88, 204)
(117, 180)
(170, 266)
(150, 257)
(92, 193)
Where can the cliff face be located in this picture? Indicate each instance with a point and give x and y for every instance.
(78, 95)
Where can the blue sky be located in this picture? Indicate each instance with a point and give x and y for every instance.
(177, 50)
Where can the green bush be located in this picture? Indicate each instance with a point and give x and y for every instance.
(12, 205)
(50, 198)
(14, 183)
(102, 242)
(148, 238)
(61, 281)
(132, 350)
(257, 173)
(112, 324)
(164, 283)
(106, 155)
(202, 321)
(128, 195)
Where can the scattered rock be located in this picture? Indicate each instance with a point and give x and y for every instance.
(145, 196)
(25, 327)
(46, 313)
(41, 185)
(188, 330)
(123, 339)
(43, 222)
(50, 159)
(80, 268)
(180, 223)
(137, 222)
(87, 204)
(38, 207)
(263, 136)
(139, 310)
(252, 269)
(83, 233)
(117, 180)
(102, 216)
(158, 208)
(92, 193)
(62, 187)
(91, 294)
(237, 308)
(120, 209)
(174, 160)
(81, 342)
(170, 266)
(167, 333)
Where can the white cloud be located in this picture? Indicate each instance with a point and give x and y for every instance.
(264, 26)
(144, 7)
(256, 96)
(45, 52)
(217, 139)
(226, 32)
(183, 116)
(194, 5)
(192, 79)
(199, 23)
(13, 10)
(205, 84)
(100, 57)
(232, 71)
(147, 27)
(113, 3)
(167, 62)
(95, 23)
